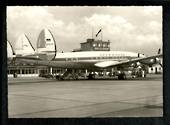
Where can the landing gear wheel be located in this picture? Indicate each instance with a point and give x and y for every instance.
(91, 77)
(122, 76)
(60, 78)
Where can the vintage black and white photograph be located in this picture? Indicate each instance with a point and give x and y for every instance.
(84, 61)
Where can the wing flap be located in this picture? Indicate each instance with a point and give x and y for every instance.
(106, 64)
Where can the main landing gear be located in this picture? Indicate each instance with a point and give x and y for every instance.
(91, 76)
(68, 75)
(121, 76)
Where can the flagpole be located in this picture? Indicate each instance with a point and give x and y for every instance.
(92, 33)
(101, 34)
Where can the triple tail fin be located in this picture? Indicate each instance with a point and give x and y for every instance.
(46, 44)
(23, 46)
(10, 53)
(10, 50)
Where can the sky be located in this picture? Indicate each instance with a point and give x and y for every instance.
(128, 28)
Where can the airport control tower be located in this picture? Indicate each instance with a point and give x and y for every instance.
(94, 45)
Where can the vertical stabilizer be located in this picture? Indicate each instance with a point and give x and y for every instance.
(10, 50)
(23, 46)
(46, 43)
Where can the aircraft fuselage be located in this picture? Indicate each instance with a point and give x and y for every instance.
(88, 59)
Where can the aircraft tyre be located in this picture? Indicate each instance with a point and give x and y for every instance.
(91, 76)
(60, 78)
(122, 76)
(75, 77)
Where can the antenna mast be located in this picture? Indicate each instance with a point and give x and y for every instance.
(101, 34)
(92, 33)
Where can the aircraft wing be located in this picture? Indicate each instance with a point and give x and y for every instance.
(144, 60)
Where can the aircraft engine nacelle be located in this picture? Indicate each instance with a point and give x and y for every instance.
(135, 65)
(132, 65)
(138, 63)
(156, 60)
(152, 60)
(46, 45)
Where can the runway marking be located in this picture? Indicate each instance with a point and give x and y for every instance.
(90, 105)
(122, 101)
(52, 98)
(84, 106)
(87, 101)
(76, 107)
(114, 112)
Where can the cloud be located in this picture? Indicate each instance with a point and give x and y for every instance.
(153, 38)
(28, 20)
(29, 16)
(112, 26)
(31, 20)
(127, 35)
(128, 28)
(100, 20)
(152, 10)
(155, 26)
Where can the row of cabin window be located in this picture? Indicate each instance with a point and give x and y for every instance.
(115, 55)
(106, 57)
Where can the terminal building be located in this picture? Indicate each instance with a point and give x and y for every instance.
(25, 70)
(156, 69)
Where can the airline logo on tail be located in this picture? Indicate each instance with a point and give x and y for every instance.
(46, 42)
